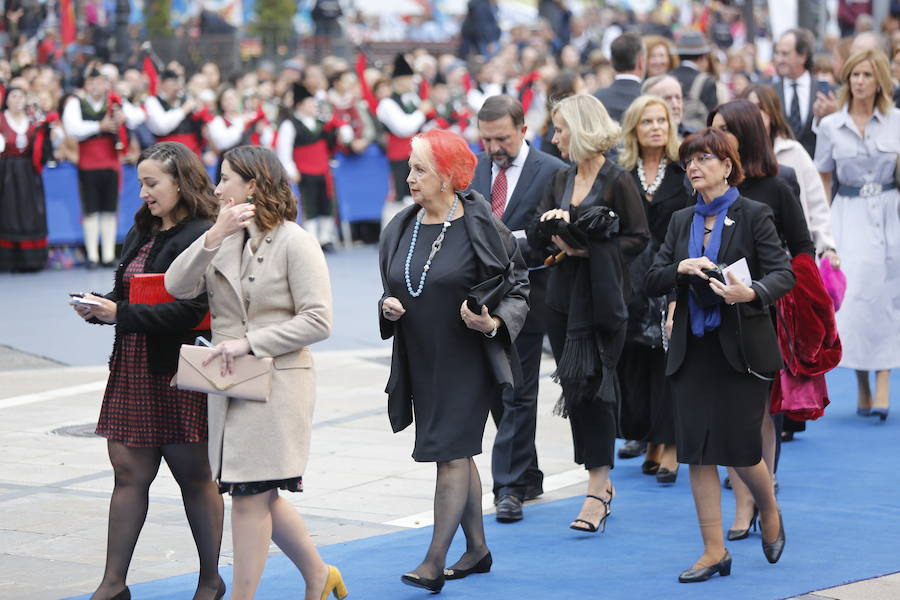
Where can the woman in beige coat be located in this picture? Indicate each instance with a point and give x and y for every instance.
(269, 295)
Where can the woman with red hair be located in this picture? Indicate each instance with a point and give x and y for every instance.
(455, 297)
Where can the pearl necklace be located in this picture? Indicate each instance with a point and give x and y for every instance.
(660, 173)
(435, 247)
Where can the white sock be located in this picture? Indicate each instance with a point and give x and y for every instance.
(312, 226)
(90, 223)
(108, 226)
(326, 230)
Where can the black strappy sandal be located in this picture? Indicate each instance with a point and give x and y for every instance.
(590, 527)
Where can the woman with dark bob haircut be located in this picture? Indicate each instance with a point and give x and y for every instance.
(269, 295)
(723, 342)
(143, 418)
(452, 341)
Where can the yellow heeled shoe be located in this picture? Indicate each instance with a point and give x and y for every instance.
(334, 583)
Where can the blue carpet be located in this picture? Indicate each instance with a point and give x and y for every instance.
(839, 495)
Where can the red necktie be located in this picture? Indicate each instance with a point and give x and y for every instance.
(498, 193)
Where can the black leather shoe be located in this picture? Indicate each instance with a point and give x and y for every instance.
(723, 568)
(742, 534)
(631, 449)
(509, 509)
(650, 467)
(123, 595)
(664, 475)
(773, 550)
(432, 585)
(482, 566)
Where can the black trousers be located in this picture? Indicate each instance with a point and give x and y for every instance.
(593, 422)
(399, 172)
(514, 464)
(99, 190)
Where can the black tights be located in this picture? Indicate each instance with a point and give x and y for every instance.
(135, 469)
(457, 501)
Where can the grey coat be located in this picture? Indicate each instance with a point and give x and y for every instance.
(280, 300)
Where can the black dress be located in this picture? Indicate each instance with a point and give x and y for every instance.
(452, 384)
(647, 407)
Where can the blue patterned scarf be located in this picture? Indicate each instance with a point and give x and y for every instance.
(707, 319)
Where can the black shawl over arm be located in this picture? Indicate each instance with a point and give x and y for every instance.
(496, 252)
(166, 325)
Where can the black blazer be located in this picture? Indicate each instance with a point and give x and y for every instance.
(169, 325)
(537, 173)
(496, 251)
(618, 97)
(805, 135)
(686, 76)
(752, 236)
(790, 222)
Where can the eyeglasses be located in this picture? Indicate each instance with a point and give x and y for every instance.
(700, 160)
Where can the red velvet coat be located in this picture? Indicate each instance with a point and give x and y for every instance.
(809, 342)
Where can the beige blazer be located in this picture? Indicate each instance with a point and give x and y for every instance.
(279, 298)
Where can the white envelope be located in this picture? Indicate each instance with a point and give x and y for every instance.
(740, 270)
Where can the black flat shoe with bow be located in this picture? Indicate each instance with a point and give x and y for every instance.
(482, 566)
(432, 585)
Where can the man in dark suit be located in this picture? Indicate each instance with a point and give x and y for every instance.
(628, 57)
(798, 88)
(513, 176)
(693, 50)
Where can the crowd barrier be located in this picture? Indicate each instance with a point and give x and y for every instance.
(361, 183)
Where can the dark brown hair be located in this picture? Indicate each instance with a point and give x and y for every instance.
(195, 190)
(744, 120)
(771, 105)
(497, 107)
(718, 143)
(274, 200)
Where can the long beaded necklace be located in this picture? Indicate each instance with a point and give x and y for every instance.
(660, 173)
(435, 248)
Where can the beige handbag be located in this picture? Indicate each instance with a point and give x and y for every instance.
(250, 378)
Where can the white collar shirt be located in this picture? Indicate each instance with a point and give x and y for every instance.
(804, 89)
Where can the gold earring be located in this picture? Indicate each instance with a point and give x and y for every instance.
(443, 187)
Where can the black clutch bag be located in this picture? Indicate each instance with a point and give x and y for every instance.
(489, 292)
(565, 230)
(701, 291)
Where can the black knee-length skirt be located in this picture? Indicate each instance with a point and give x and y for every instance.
(718, 411)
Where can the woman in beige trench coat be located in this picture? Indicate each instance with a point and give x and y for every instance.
(269, 294)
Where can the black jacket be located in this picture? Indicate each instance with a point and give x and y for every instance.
(495, 251)
(790, 223)
(752, 236)
(618, 97)
(672, 195)
(537, 173)
(686, 75)
(805, 135)
(167, 325)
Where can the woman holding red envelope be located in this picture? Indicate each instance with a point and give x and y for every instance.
(143, 418)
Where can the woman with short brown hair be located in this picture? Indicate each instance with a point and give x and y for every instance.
(723, 343)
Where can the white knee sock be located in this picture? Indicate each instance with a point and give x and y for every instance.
(108, 224)
(312, 226)
(90, 223)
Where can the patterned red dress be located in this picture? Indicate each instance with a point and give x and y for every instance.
(141, 409)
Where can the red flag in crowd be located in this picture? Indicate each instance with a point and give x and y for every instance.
(67, 22)
(363, 85)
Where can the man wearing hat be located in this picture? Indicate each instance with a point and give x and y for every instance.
(169, 114)
(304, 147)
(697, 87)
(403, 114)
(91, 120)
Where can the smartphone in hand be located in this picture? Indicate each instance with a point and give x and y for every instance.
(78, 299)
